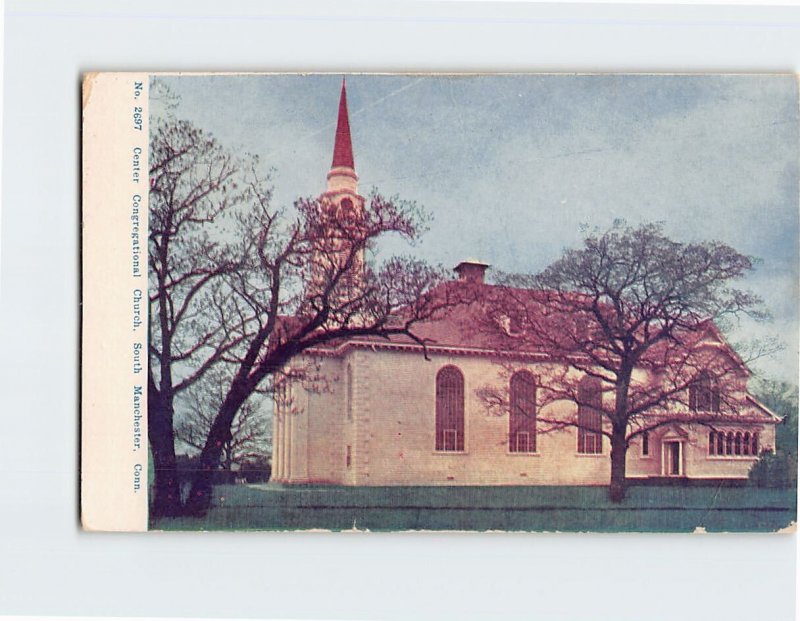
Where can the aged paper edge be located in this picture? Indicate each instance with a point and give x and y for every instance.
(114, 453)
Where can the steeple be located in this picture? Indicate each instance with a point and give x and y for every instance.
(342, 208)
(343, 147)
(342, 177)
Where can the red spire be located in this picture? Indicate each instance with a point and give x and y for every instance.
(343, 148)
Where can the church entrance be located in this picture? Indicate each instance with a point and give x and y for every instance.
(672, 458)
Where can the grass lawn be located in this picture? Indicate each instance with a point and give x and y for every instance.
(523, 508)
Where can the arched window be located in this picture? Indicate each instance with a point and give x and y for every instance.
(646, 444)
(449, 410)
(590, 420)
(704, 394)
(742, 443)
(522, 415)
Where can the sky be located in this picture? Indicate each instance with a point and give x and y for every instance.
(513, 167)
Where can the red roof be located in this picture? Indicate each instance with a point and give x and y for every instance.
(462, 322)
(472, 317)
(343, 146)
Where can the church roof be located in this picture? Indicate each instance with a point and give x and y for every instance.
(478, 317)
(343, 145)
(465, 320)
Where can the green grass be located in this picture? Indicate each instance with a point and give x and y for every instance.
(523, 508)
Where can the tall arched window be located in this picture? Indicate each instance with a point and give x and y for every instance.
(590, 421)
(729, 444)
(704, 394)
(522, 416)
(754, 444)
(449, 410)
(746, 443)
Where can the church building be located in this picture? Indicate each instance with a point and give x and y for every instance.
(392, 416)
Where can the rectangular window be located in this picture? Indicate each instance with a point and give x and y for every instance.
(348, 457)
(349, 388)
(645, 444)
(451, 440)
(522, 443)
(590, 442)
(704, 394)
(581, 328)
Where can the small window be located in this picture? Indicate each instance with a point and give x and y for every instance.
(704, 394)
(522, 442)
(348, 457)
(581, 328)
(646, 444)
(449, 410)
(510, 325)
(712, 442)
(450, 439)
(522, 415)
(590, 420)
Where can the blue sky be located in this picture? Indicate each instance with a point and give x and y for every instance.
(511, 167)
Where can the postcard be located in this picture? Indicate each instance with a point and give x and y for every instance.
(495, 302)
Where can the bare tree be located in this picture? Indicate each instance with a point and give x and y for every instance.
(249, 439)
(307, 282)
(627, 328)
(195, 186)
(237, 282)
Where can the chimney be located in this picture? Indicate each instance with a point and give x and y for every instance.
(471, 270)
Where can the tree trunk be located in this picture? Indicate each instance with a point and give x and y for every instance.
(619, 447)
(199, 500)
(166, 489)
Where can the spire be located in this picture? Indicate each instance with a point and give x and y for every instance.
(343, 147)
